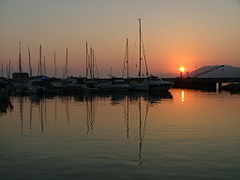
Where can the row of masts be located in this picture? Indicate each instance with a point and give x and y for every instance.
(41, 70)
(90, 63)
(41, 64)
(90, 58)
(142, 56)
(8, 70)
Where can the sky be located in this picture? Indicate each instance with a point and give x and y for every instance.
(192, 33)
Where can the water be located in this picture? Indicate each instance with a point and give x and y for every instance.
(181, 135)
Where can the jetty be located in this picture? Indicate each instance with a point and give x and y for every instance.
(201, 83)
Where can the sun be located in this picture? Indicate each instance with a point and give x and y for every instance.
(182, 69)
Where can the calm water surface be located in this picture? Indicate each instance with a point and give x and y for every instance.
(184, 134)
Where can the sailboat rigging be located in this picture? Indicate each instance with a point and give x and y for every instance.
(151, 83)
(29, 61)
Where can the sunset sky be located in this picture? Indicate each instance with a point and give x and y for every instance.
(176, 32)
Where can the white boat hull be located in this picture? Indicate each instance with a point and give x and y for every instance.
(159, 85)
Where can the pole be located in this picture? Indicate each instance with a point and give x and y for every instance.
(38, 73)
(9, 68)
(66, 67)
(6, 71)
(20, 58)
(40, 60)
(30, 64)
(127, 58)
(55, 65)
(91, 63)
(86, 60)
(93, 58)
(140, 47)
(44, 66)
(2, 71)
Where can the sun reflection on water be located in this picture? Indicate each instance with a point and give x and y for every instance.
(182, 96)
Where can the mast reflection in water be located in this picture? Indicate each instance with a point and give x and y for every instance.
(136, 135)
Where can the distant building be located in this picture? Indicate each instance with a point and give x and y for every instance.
(20, 77)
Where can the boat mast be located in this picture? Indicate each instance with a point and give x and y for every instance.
(145, 60)
(90, 63)
(20, 58)
(140, 47)
(44, 66)
(86, 60)
(2, 71)
(40, 60)
(9, 69)
(96, 67)
(93, 58)
(55, 65)
(125, 63)
(38, 69)
(30, 64)
(127, 58)
(66, 66)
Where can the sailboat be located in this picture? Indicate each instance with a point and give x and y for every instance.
(152, 83)
(116, 84)
(140, 84)
(119, 84)
(90, 84)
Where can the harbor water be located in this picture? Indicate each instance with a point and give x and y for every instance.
(183, 134)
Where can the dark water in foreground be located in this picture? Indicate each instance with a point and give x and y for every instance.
(182, 135)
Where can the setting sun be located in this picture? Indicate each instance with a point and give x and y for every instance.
(182, 69)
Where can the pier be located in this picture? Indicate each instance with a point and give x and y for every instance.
(201, 83)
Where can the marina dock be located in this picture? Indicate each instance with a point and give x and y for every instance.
(201, 83)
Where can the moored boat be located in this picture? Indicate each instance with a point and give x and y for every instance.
(36, 86)
(157, 84)
(151, 83)
(118, 84)
(90, 86)
(139, 85)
